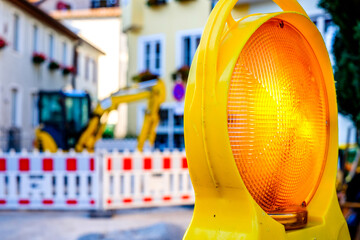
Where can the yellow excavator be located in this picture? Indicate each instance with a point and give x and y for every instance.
(66, 120)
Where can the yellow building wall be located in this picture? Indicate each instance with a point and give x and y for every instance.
(168, 20)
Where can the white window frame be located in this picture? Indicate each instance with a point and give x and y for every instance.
(180, 35)
(152, 40)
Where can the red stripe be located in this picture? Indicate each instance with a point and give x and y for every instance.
(127, 164)
(71, 164)
(71, 201)
(48, 164)
(24, 164)
(48, 201)
(184, 163)
(147, 199)
(24, 201)
(109, 164)
(147, 163)
(92, 164)
(185, 197)
(166, 163)
(109, 201)
(167, 198)
(2, 201)
(2, 164)
(127, 200)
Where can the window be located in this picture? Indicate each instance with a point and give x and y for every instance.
(156, 2)
(51, 46)
(328, 24)
(64, 53)
(189, 44)
(51, 109)
(164, 117)
(14, 107)
(104, 3)
(147, 56)
(329, 36)
(87, 68)
(79, 65)
(94, 71)
(77, 112)
(35, 38)
(151, 50)
(77, 117)
(213, 3)
(328, 30)
(124, 3)
(157, 55)
(34, 107)
(16, 33)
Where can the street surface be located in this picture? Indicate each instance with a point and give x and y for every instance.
(145, 224)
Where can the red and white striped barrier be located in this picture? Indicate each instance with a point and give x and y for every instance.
(146, 180)
(48, 181)
(97, 181)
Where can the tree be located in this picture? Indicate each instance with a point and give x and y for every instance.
(346, 50)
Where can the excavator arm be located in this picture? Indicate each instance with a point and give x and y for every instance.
(153, 90)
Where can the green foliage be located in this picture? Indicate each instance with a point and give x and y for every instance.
(109, 131)
(144, 76)
(346, 50)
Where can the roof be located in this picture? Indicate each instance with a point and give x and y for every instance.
(87, 13)
(86, 41)
(43, 17)
(34, 1)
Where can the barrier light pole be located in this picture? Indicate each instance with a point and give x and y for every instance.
(261, 129)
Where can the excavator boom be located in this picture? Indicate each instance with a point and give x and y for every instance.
(153, 90)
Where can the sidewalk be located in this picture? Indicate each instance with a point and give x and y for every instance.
(153, 223)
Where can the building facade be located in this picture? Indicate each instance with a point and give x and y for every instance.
(163, 36)
(50, 5)
(100, 22)
(162, 39)
(40, 54)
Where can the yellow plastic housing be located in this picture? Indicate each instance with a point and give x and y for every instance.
(225, 208)
(277, 117)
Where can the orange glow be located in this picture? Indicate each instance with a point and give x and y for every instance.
(278, 117)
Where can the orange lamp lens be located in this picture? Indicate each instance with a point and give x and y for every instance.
(278, 118)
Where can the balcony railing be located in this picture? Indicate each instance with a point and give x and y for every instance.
(156, 2)
(104, 3)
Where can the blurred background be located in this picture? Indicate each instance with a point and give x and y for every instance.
(59, 59)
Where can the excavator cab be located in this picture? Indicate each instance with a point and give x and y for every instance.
(64, 115)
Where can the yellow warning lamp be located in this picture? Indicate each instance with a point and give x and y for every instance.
(261, 129)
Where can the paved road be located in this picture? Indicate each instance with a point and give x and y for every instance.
(155, 223)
